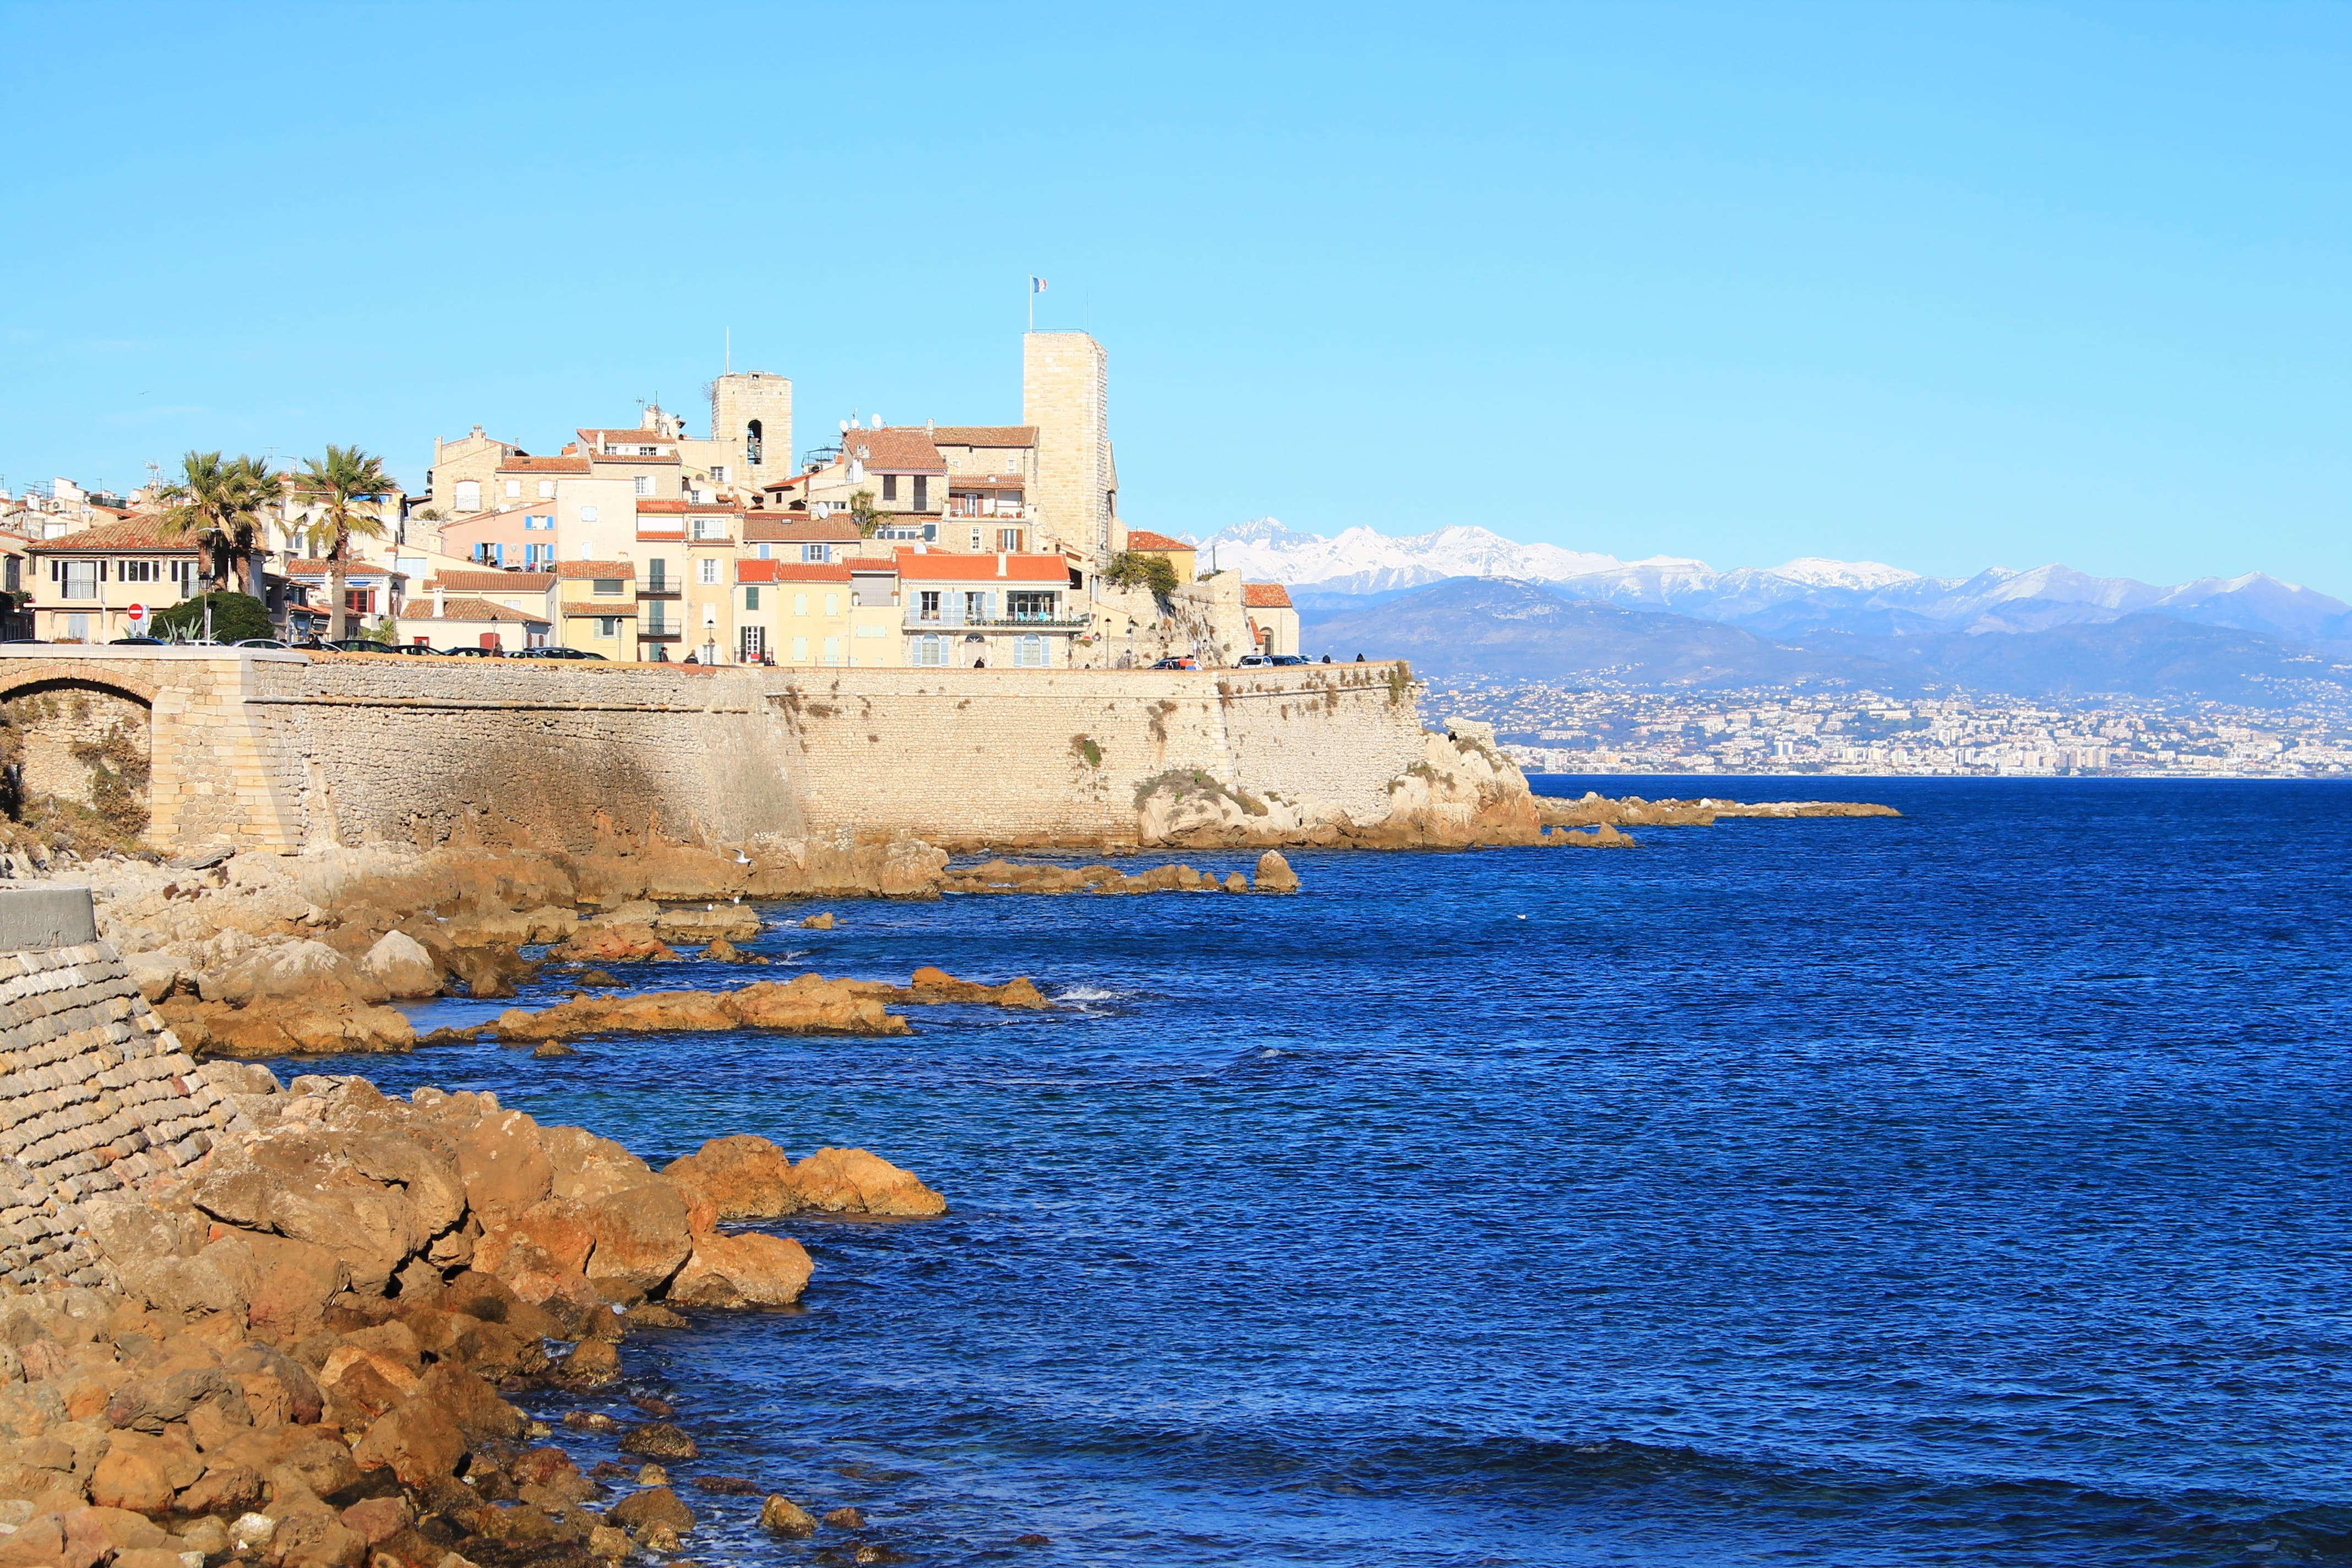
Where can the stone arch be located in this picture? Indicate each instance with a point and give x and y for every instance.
(81, 736)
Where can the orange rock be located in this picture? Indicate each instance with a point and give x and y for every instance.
(752, 1269)
(739, 1178)
(853, 1181)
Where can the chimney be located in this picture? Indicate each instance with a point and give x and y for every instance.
(1000, 563)
(437, 602)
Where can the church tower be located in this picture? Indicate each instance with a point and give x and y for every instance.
(751, 411)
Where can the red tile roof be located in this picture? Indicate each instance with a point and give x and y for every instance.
(759, 526)
(986, 482)
(574, 571)
(984, 435)
(143, 531)
(1264, 596)
(489, 582)
(303, 567)
(657, 503)
(900, 448)
(938, 566)
(1144, 539)
(791, 571)
(465, 609)
(521, 464)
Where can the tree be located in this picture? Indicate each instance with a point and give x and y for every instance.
(1142, 569)
(219, 504)
(235, 618)
(861, 507)
(347, 490)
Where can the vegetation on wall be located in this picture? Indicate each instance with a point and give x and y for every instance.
(235, 617)
(1142, 569)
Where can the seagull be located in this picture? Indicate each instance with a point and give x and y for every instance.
(742, 859)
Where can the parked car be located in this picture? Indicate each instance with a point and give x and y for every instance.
(139, 642)
(259, 642)
(476, 652)
(1249, 659)
(1290, 659)
(358, 644)
(418, 647)
(557, 651)
(1183, 661)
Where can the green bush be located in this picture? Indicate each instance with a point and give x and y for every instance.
(1140, 568)
(236, 616)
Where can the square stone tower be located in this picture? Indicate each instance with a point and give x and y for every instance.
(752, 411)
(1066, 393)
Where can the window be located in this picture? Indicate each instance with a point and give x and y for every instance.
(833, 650)
(800, 650)
(928, 650)
(975, 538)
(975, 608)
(718, 473)
(657, 576)
(78, 629)
(832, 604)
(81, 580)
(547, 490)
(1029, 652)
(815, 552)
(1029, 606)
(929, 600)
(532, 554)
(608, 586)
(750, 598)
(137, 572)
(751, 643)
(709, 565)
(469, 495)
(644, 484)
(1009, 538)
(655, 626)
(922, 493)
(514, 487)
(752, 442)
(800, 603)
(608, 626)
(764, 549)
(890, 487)
(1012, 463)
(544, 524)
(587, 514)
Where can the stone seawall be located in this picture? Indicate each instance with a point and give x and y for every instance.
(95, 1095)
(283, 751)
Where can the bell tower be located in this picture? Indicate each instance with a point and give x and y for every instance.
(751, 411)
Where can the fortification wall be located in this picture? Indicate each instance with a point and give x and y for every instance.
(95, 1094)
(281, 751)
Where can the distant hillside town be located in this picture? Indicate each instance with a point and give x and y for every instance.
(952, 545)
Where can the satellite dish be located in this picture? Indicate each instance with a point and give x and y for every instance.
(877, 422)
(845, 426)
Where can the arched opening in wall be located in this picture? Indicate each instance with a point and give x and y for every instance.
(753, 441)
(75, 757)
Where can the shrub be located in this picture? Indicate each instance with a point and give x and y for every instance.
(235, 618)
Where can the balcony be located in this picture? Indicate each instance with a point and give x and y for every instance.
(1001, 623)
(657, 589)
(987, 507)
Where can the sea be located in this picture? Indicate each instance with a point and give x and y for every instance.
(1968, 1187)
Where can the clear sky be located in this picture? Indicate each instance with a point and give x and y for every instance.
(1940, 285)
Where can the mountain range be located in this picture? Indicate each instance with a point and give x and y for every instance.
(1465, 600)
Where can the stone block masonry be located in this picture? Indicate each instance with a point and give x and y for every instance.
(283, 751)
(95, 1095)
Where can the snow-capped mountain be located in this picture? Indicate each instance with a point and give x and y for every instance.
(1805, 595)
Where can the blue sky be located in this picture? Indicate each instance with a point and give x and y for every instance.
(1940, 285)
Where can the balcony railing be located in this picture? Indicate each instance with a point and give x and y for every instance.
(1000, 622)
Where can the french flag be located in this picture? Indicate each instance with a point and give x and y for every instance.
(1037, 285)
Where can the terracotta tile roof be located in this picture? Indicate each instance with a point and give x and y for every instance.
(791, 571)
(489, 582)
(596, 437)
(759, 526)
(466, 609)
(574, 571)
(475, 520)
(984, 435)
(1144, 539)
(519, 464)
(938, 566)
(303, 567)
(142, 531)
(986, 482)
(657, 503)
(901, 449)
(1264, 596)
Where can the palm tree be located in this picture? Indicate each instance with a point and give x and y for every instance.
(347, 491)
(219, 504)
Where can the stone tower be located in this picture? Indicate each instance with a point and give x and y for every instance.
(1066, 393)
(752, 411)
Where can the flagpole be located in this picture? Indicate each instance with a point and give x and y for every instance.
(1033, 305)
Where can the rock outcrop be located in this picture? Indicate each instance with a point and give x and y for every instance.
(1595, 809)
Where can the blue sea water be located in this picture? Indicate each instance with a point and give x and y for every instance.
(1967, 1188)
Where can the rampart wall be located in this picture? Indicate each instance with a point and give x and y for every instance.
(280, 751)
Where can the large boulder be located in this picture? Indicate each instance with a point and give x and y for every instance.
(852, 1181)
(748, 1271)
(402, 966)
(737, 1177)
(641, 1238)
(368, 1193)
(1274, 875)
(504, 1165)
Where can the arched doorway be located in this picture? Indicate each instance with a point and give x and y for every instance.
(78, 746)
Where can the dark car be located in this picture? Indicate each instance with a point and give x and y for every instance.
(475, 652)
(418, 647)
(258, 642)
(139, 642)
(1185, 662)
(1290, 659)
(358, 644)
(555, 651)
